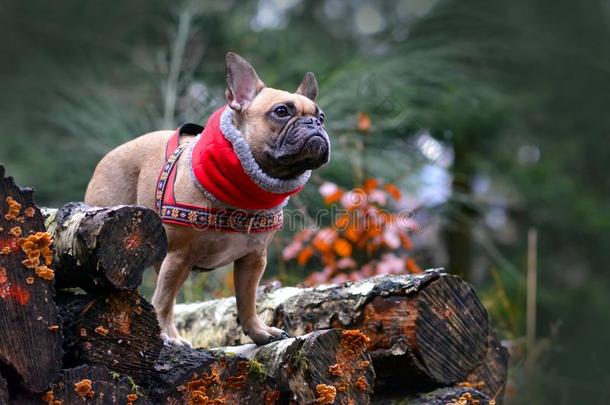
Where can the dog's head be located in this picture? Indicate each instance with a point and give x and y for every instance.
(285, 130)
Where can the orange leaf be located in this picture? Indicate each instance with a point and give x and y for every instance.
(333, 198)
(363, 122)
(330, 192)
(373, 230)
(324, 239)
(352, 233)
(342, 222)
(304, 256)
(370, 184)
(412, 267)
(393, 190)
(343, 248)
(371, 248)
(329, 262)
(320, 245)
(406, 241)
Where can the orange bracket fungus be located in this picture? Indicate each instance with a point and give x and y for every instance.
(326, 394)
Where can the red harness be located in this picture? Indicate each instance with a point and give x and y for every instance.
(218, 170)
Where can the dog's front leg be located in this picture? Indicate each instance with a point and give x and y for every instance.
(173, 273)
(247, 274)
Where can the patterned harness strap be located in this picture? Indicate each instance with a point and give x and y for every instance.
(220, 219)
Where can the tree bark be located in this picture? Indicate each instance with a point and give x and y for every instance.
(117, 329)
(490, 377)
(191, 376)
(332, 359)
(104, 247)
(426, 330)
(30, 343)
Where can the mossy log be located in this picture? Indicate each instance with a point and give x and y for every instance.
(30, 341)
(426, 330)
(104, 247)
(193, 376)
(309, 366)
(490, 377)
(91, 385)
(117, 329)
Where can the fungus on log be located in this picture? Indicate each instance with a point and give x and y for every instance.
(91, 385)
(426, 330)
(194, 376)
(30, 342)
(303, 366)
(104, 247)
(490, 377)
(118, 329)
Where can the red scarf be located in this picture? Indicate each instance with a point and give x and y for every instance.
(224, 167)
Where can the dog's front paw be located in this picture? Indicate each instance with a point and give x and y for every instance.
(174, 341)
(263, 334)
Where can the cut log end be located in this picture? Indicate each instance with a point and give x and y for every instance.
(490, 377)
(336, 359)
(138, 234)
(105, 247)
(117, 329)
(441, 333)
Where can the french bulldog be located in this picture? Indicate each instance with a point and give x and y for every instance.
(278, 137)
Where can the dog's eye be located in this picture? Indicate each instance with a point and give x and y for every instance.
(281, 111)
(321, 118)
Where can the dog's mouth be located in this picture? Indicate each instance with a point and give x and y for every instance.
(304, 150)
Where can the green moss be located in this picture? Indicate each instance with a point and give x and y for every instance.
(299, 359)
(135, 388)
(257, 369)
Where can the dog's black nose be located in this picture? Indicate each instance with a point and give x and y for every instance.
(312, 121)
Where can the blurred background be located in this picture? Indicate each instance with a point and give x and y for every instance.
(487, 120)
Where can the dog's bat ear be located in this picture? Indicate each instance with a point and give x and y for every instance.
(309, 87)
(243, 83)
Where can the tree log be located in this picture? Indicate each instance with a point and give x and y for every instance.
(426, 330)
(447, 396)
(192, 376)
(91, 385)
(104, 247)
(490, 377)
(330, 359)
(117, 329)
(30, 342)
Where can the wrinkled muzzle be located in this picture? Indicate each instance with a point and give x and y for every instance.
(304, 144)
